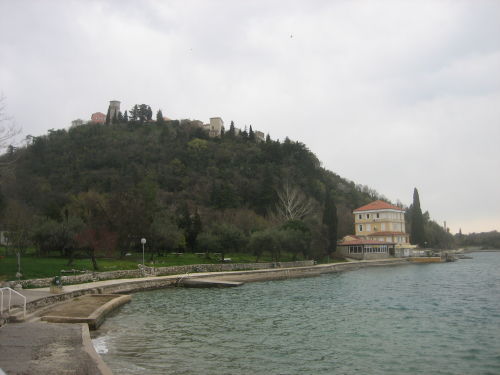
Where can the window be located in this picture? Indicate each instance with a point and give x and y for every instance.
(367, 216)
(360, 228)
(368, 227)
(360, 216)
(378, 215)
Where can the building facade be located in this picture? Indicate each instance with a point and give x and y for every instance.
(380, 232)
(114, 109)
(381, 221)
(77, 122)
(215, 127)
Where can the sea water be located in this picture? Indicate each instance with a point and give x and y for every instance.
(411, 319)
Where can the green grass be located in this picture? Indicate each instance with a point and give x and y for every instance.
(39, 267)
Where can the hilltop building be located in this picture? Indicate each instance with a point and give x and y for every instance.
(98, 118)
(113, 109)
(380, 232)
(77, 122)
(260, 136)
(215, 127)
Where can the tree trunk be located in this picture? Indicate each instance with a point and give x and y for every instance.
(71, 257)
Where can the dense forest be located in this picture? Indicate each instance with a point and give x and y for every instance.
(101, 188)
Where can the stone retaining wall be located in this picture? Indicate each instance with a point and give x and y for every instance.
(131, 286)
(157, 271)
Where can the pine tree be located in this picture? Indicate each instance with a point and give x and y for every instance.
(149, 113)
(115, 119)
(417, 235)
(330, 220)
(125, 117)
(120, 117)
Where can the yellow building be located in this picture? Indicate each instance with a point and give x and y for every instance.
(380, 232)
(381, 221)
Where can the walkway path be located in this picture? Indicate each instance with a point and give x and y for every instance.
(49, 349)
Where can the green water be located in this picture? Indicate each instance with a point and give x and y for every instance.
(414, 319)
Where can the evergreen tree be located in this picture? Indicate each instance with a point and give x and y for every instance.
(159, 117)
(268, 138)
(149, 113)
(120, 117)
(417, 235)
(231, 132)
(251, 134)
(108, 116)
(115, 119)
(134, 113)
(331, 221)
(244, 133)
(125, 117)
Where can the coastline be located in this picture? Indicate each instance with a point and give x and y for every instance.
(84, 344)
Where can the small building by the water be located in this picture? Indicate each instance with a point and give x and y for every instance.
(362, 248)
(380, 232)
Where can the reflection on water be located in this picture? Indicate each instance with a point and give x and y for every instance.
(415, 319)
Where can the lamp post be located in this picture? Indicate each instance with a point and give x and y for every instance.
(143, 241)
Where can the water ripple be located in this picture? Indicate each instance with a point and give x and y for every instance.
(417, 319)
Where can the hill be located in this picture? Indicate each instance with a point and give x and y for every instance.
(103, 187)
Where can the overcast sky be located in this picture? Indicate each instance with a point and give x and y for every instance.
(389, 94)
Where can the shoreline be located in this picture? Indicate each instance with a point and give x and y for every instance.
(119, 286)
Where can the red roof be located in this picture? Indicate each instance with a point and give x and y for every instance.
(378, 205)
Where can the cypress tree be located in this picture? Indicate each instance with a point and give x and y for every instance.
(108, 116)
(331, 221)
(417, 235)
(251, 134)
(125, 117)
(231, 131)
(159, 117)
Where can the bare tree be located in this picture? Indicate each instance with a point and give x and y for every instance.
(292, 204)
(8, 132)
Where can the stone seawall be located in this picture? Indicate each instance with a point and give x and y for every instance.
(144, 271)
(158, 282)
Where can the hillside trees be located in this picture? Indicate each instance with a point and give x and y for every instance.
(141, 176)
(331, 222)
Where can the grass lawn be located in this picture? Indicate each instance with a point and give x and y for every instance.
(38, 267)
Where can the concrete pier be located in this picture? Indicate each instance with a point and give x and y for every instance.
(207, 283)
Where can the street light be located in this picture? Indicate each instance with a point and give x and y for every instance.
(143, 241)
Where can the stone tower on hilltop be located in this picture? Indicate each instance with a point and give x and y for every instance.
(114, 109)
